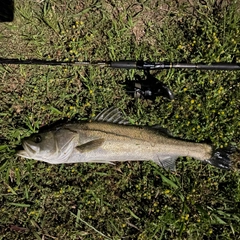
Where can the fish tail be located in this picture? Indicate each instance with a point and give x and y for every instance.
(223, 157)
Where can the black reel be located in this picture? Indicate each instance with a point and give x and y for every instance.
(148, 88)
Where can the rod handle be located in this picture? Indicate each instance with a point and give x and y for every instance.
(127, 64)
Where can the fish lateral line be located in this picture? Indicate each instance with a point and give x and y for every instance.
(109, 132)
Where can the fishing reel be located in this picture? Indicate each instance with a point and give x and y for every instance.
(148, 88)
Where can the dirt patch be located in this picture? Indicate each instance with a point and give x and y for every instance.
(139, 30)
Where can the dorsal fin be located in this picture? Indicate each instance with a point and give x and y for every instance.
(111, 115)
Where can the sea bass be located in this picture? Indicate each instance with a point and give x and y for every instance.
(111, 138)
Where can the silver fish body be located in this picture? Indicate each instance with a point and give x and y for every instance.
(103, 141)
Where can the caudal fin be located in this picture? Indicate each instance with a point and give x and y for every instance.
(222, 157)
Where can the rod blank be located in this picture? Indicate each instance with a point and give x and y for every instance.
(127, 64)
(214, 66)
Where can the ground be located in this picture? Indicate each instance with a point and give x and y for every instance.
(132, 200)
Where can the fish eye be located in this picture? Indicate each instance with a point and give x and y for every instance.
(37, 139)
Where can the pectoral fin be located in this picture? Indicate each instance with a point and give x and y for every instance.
(89, 146)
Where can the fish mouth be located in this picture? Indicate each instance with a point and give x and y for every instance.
(29, 150)
(20, 151)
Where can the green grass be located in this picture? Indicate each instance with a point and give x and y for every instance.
(129, 200)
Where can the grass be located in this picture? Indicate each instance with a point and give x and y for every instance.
(130, 200)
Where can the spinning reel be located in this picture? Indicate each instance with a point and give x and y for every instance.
(148, 88)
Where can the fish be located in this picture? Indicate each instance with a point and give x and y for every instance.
(110, 138)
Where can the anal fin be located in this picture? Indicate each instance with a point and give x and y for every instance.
(167, 162)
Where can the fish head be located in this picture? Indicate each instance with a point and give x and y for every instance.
(39, 146)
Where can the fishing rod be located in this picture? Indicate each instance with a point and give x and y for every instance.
(126, 64)
(148, 88)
